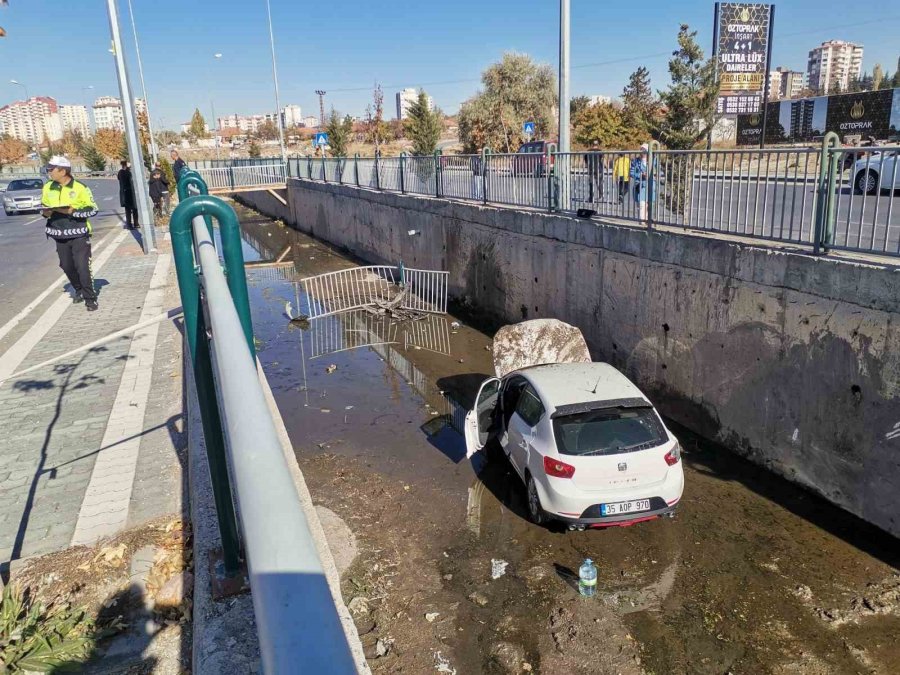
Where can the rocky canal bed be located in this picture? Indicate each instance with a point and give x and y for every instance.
(754, 575)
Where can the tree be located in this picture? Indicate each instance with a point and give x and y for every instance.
(267, 131)
(578, 104)
(198, 125)
(423, 126)
(166, 138)
(253, 150)
(895, 81)
(690, 100)
(877, 76)
(377, 130)
(516, 90)
(92, 157)
(168, 173)
(887, 82)
(639, 107)
(109, 142)
(12, 149)
(606, 126)
(72, 143)
(339, 131)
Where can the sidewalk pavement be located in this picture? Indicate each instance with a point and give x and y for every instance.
(93, 443)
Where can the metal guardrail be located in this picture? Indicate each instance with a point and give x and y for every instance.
(234, 177)
(297, 622)
(827, 197)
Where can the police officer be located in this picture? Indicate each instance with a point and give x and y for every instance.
(67, 204)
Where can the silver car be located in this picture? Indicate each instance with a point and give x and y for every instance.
(23, 195)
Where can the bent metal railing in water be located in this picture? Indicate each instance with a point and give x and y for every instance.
(825, 197)
(296, 617)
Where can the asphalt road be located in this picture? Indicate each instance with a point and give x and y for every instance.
(28, 262)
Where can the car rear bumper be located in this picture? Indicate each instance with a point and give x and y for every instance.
(620, 520)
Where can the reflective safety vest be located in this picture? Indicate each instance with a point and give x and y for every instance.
(621, 167)
(77, 195)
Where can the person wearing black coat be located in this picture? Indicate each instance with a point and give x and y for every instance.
(158, 187)
(127, 199)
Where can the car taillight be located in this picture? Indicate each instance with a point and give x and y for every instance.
(554, 467)
(673, 455)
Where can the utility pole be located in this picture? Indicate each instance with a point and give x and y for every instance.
(138, 172)
(137, 50)
(563, 76)
(321, 94)
(275, 78)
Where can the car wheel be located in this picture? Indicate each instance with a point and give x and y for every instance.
(866, 182)
(9, 213)
(535, 511)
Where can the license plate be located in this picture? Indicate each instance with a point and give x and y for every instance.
(620, 508)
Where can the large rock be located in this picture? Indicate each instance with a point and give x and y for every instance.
(535, 342)
(174, 591)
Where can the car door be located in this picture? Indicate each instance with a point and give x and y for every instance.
(529, 411)
(890, 172)
(481, 420)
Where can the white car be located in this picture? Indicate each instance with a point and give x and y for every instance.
(875, 172)
(590, 448)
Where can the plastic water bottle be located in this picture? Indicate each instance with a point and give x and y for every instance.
(587, 578)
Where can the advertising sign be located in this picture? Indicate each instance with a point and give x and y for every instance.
(742, 44)
(851, 116)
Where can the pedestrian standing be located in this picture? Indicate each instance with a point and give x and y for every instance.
(178, 165)
(639, 179)
(166, 195)
(594, 161)
(621, 168)
(67, 204)
(157, 184)
(127, 198)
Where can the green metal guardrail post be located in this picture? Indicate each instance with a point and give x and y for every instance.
(438, 171)
(377, 173)
(823, 209)
(652, 147)
(356, 168)
(402, 164)
(189, 178)
(485, 158)
(195, 330)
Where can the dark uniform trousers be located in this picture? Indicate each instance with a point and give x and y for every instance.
(75, 261)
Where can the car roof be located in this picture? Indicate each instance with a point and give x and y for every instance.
(564, 384)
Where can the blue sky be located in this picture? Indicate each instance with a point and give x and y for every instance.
(57, 47)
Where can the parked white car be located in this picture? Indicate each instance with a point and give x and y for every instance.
(878, 171)
(590, 448)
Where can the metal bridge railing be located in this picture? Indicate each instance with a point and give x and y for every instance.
(296, 618)
(827, 197)
(234, 177)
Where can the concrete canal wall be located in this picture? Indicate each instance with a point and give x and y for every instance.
(790, 360)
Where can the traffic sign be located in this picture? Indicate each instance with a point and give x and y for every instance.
(528, 128)
(321, 139)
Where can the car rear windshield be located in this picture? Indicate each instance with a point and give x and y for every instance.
(34, 184)
(609, 431)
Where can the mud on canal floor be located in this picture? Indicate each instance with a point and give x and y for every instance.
(754, 575)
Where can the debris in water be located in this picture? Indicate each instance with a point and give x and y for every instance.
(498, 568)
(330, 369)
(431, 616)
(454, 324)
(289, 312)
(442, 664)
(382, 647)
(478, 598)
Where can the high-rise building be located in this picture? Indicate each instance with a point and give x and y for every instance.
(833, 65)
(245, 123)
(405, 99)
(310, 121)
(108, 113)
(786, 83)
(291, 116)
(75, 118)
(33, 120)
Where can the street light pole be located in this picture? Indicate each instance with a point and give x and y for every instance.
(28, 110)
(138, 174)
(137, 50)
(212, 107)
(563, 76)
(87, 108)
(275, 78)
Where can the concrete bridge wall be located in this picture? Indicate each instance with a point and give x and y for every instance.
(790, 360)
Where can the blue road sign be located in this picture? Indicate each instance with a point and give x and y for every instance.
(528, 128)
(321, 138)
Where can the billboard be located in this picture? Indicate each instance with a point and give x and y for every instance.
(799, 120)
(742, 43)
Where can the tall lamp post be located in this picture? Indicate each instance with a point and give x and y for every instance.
(212, 107)
(86, 106)
(28, 109)
(138, 172)
(275, 79)
(563, 76)
(137, 51)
